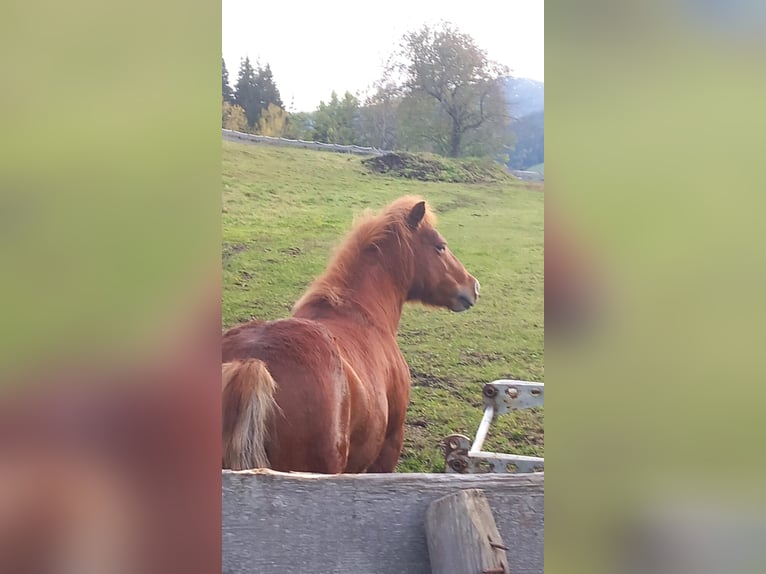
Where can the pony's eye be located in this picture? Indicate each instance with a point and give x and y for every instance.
(441, 247)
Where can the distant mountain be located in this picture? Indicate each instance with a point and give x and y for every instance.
(525, 96)
(526, 104)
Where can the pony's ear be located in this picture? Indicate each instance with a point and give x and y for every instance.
(416, 214)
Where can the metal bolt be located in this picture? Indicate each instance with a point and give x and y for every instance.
(489, 391)
(458, 465)
(512, 392)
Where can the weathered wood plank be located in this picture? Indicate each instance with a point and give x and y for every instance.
(462, 535)
(369, 523)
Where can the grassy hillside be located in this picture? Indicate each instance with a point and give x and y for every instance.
(284, 210)
(432, 167)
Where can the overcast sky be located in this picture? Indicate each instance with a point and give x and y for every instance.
(316, 47)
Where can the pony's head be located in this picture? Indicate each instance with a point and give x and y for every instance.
(402, 243)
(439, 279)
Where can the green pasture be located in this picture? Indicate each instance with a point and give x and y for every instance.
(284, 210)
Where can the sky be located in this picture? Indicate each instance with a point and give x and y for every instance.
(314, 47)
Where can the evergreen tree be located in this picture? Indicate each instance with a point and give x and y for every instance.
(269, 94)
(255, 90)
(246, 92)
(227, 92)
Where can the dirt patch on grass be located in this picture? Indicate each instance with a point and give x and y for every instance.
(420, 379)
(243, 279)
(417, 436)
(229, 249)
(531, 437)
(479, 358)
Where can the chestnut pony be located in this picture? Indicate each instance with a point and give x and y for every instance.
(327, 389)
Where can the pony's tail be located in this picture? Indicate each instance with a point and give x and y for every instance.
(248, 403)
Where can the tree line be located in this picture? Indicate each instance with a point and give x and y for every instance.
(439, 92)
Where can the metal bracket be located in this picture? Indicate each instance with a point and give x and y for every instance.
(500, 397)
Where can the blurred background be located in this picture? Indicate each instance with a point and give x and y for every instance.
(655, 421)
(110, 263)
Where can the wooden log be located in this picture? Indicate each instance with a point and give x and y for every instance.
(463, 537)
(369, 523)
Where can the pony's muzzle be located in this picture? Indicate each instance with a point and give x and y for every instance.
(466, 298)
(464, 303)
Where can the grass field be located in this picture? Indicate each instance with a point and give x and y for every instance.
(285, 209)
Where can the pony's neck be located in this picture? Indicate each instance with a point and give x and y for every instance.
(380, 295)
(365, 288)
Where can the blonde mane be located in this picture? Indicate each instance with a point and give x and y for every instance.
(370, 230)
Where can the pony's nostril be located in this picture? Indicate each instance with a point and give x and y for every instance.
(467, 303)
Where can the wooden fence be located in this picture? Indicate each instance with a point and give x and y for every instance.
(252, 138)
(369, 523)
